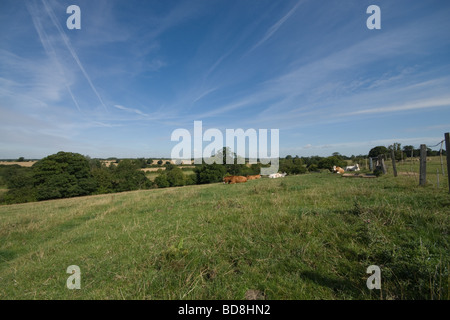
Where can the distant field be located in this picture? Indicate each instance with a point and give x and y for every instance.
(162, 168)
(151, 173)
(301, 237)
(22, 163)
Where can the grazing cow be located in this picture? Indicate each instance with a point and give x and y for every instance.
(274, 175)
(227, 179)
(338, 169)
(277, 175)
(254, 177)
(234, 179)
(352, 168)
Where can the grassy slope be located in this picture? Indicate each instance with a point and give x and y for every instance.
(301, 237)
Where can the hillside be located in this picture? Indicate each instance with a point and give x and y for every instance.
(301, 237)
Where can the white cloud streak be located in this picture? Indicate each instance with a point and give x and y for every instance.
(411, 105)
(46, 43)
(137, 111)
(274, 28)
(72, 51)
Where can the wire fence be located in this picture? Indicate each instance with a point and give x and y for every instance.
(424, 169)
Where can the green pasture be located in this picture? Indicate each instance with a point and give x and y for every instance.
(309, 236)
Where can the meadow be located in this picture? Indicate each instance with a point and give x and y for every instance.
(308, 236)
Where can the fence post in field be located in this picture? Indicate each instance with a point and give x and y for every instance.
(423, 165)
(370, 164)
(381, 163)
(447, 150)
(394, 168)
(437, 175)
(440, 157)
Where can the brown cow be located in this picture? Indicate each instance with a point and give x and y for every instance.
(254, 177)
(338, 169)
(234, 179)
(227, 179)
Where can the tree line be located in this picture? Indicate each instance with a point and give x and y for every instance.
(402, 153)
(66, 174)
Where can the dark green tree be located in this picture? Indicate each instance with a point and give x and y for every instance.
(20, 184)
(408, 150)
(127, 176)
(63, 175)
(210, 173)
(161, 181)
(374, 152)
(292, 165)
(329, 162)
(176, 177)
(397, 150)
(141, 163)
(104, 179)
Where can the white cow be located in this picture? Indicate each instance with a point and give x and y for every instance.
(277, 175)
(352, 168)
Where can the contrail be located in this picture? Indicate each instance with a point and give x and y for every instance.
(51, 51)
(71, 50)
(275, 27)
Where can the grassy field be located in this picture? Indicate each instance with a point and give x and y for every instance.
(301, 237)
(152, 174)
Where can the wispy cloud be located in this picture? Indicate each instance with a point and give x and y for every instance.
(48, 47)
(274, 28)
(205, 93)
(137, 111)
(314, 72)
(411, 105)
(348, 146)
(443, 127)
(70, 48)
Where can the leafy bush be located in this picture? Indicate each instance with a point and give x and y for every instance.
(377, 172)
(292, 166)
(190, 179)
(176, 177)
(103, 176)
(210, 173)
(329, 162)
(126, 176)
(161, 181)
(313, 168)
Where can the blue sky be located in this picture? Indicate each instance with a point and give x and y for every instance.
(138, 70)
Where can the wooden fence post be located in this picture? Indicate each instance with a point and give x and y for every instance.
(381, 163)
(394, 168)
(437, 175)
(423, 165)
(447, 150)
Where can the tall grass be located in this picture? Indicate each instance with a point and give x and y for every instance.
(301, 237)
